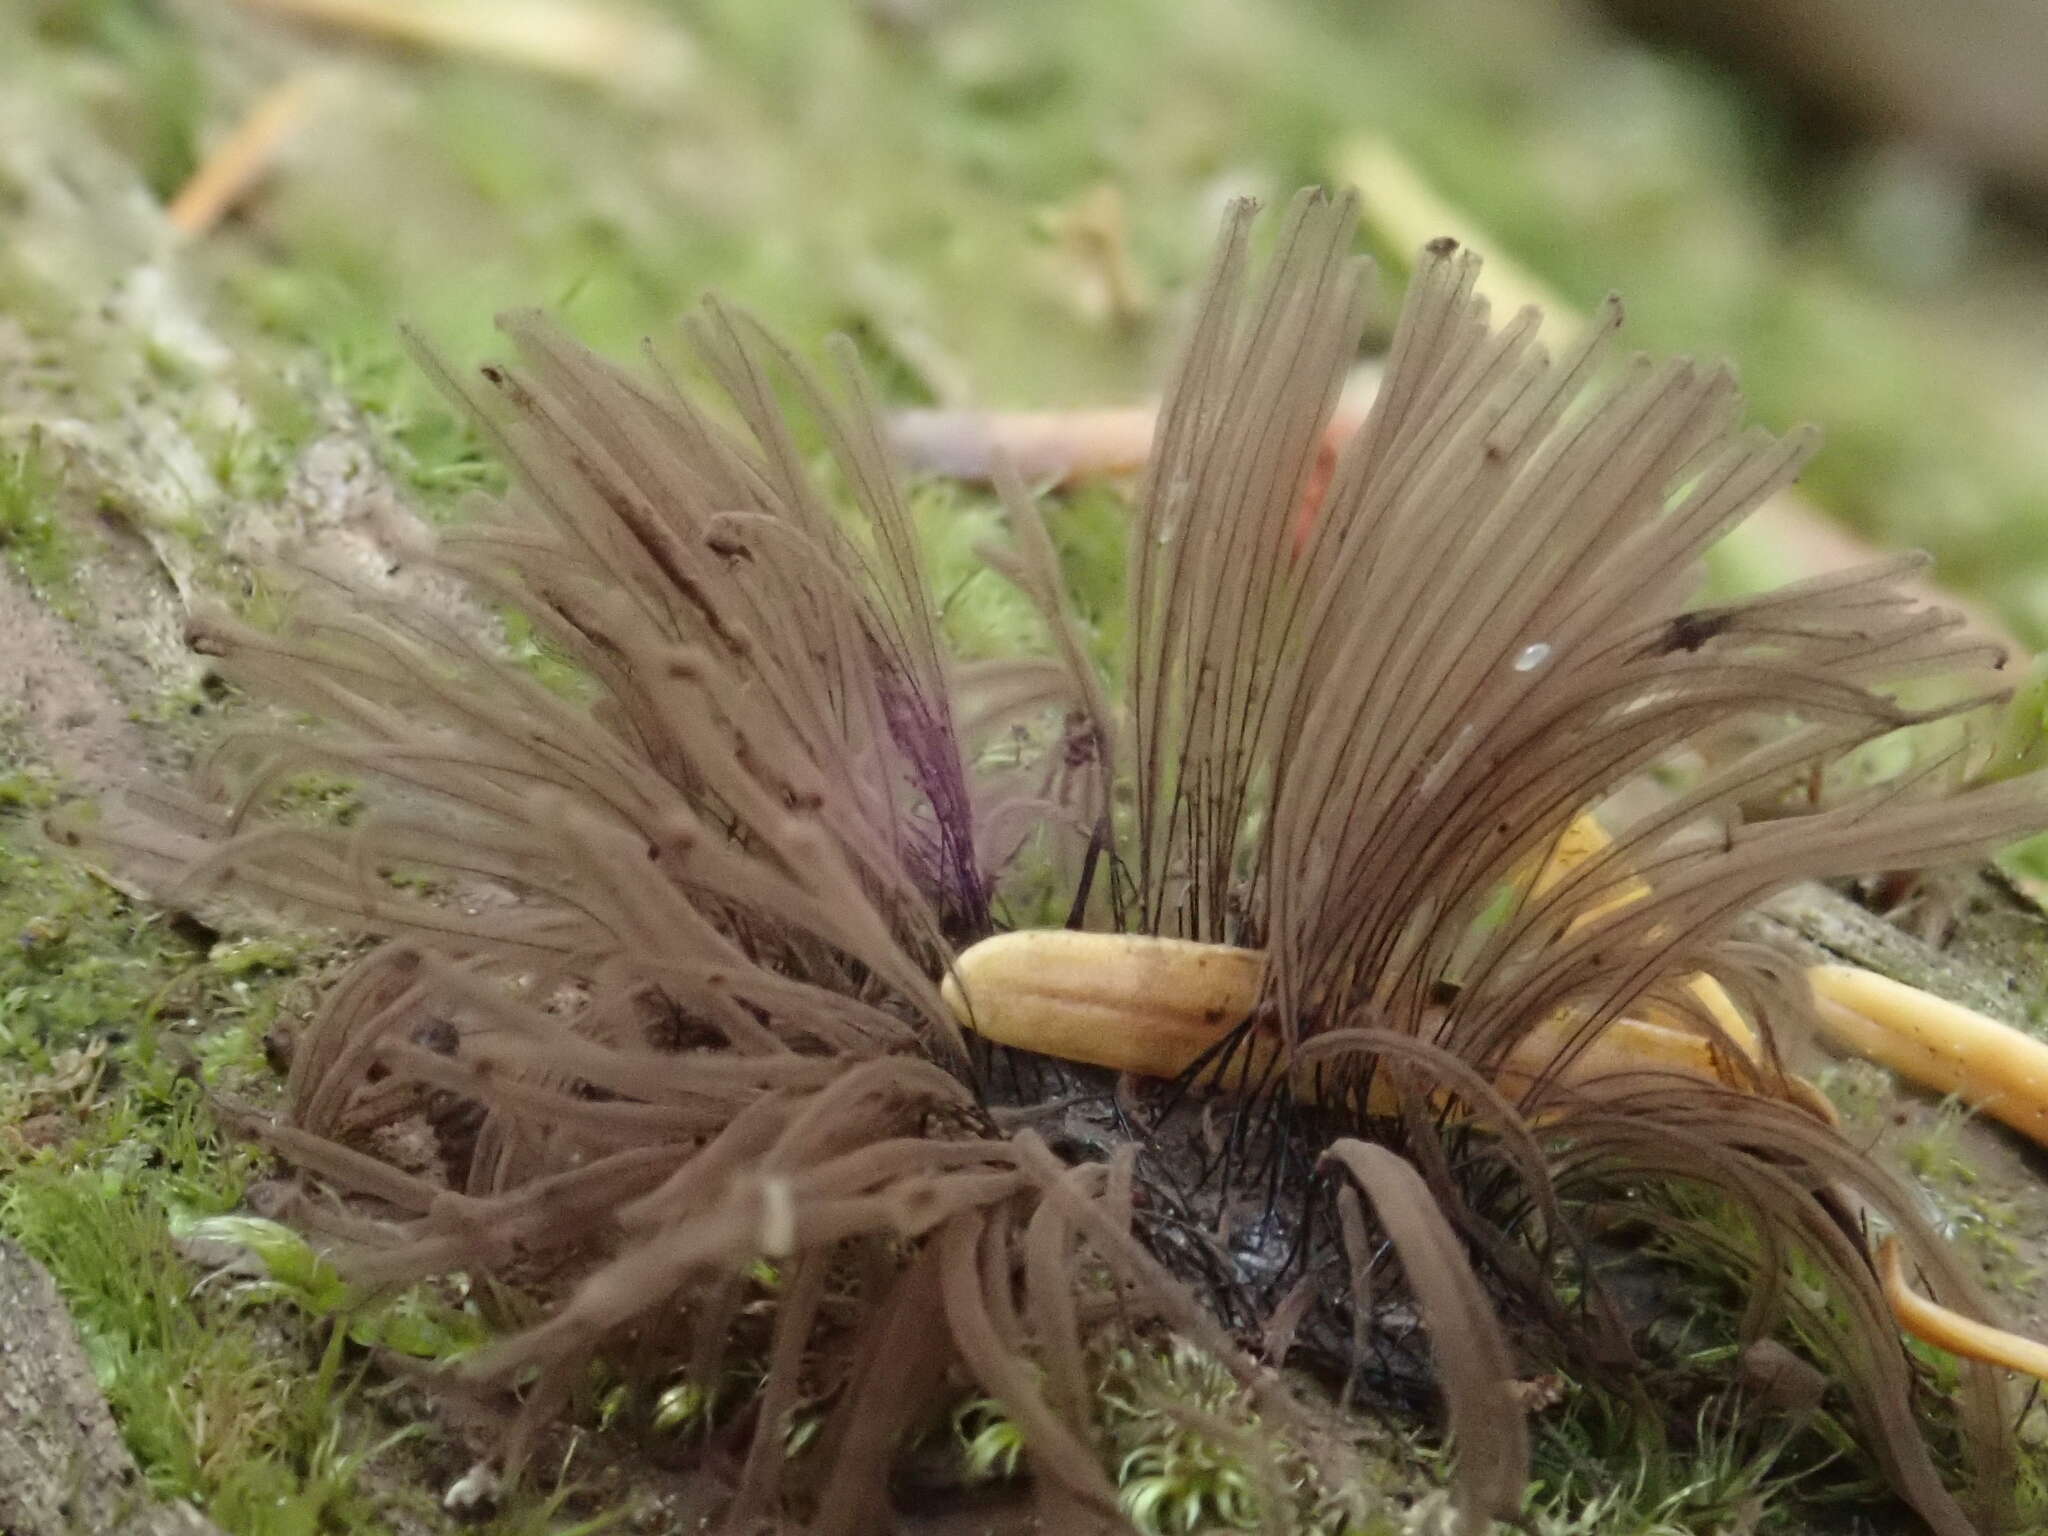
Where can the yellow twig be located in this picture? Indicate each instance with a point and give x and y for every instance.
(590, 42)
(1584, 840)
(1405, 211)
(1156, 1006)
(1934, 1324)
(243, 158)
(1938, 1044)
(1065, 446)
(1040, 445)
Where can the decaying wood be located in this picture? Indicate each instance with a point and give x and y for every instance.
(63, 1468)
(1815, 924)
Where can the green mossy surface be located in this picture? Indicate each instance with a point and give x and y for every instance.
(913, 174)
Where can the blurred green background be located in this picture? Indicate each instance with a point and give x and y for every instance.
(1005, 203)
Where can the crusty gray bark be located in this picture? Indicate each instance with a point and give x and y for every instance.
(63, 1468)
(1991, 962)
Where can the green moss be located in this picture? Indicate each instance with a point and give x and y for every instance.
(210, 1413)
(984, 616)
(1188, 1452)
(33, 534)
(1720, 1480)
(898, 176)
(103, 1135)
(247, 1396)
(162, 108)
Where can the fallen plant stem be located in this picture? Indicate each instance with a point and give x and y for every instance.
(1404, 209)
(1163, 1008)
(1939, 1045)
(241, 160)
(1166, 1008)
(1945, 1329)
(600, 45)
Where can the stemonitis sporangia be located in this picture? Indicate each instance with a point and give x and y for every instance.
(683, 994)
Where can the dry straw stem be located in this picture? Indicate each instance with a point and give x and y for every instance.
(1940, 1045)
(241, 160)
(1952, 1331)
(1165, 1008)
(1404, 208)
(604, 45)
(662, 986)
(1056, 448)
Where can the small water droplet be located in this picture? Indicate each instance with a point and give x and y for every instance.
(1532, 657)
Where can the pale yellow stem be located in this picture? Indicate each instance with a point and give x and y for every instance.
(1067, 445)
(1405, 210)
(1131, 1003)
(1584, 840)
(1940, 1045)
(1157, 1006)
(1934, 1324)
(1937, 1044)
(601, 44)
(1400, 204)
(243, 158)
(1059, 446)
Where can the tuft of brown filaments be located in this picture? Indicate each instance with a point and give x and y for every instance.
(674, 1004)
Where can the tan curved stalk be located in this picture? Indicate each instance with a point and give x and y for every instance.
(1932, 1323)
(1156, 1007)
(1124, 1001)
(1586, 839)
(1940, 1045)
(242, 160)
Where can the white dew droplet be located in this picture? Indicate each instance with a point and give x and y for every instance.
(1532, 657)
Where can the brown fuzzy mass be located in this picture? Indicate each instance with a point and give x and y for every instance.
(703, 1028)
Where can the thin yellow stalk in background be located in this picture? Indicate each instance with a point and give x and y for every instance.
(244, 157)
(1934, 1324)
(1586, 839)
(1938, 1044)
(599, 44)
(1055, 446)
(1397, 201)
(1060, 447)
(1404, 211)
